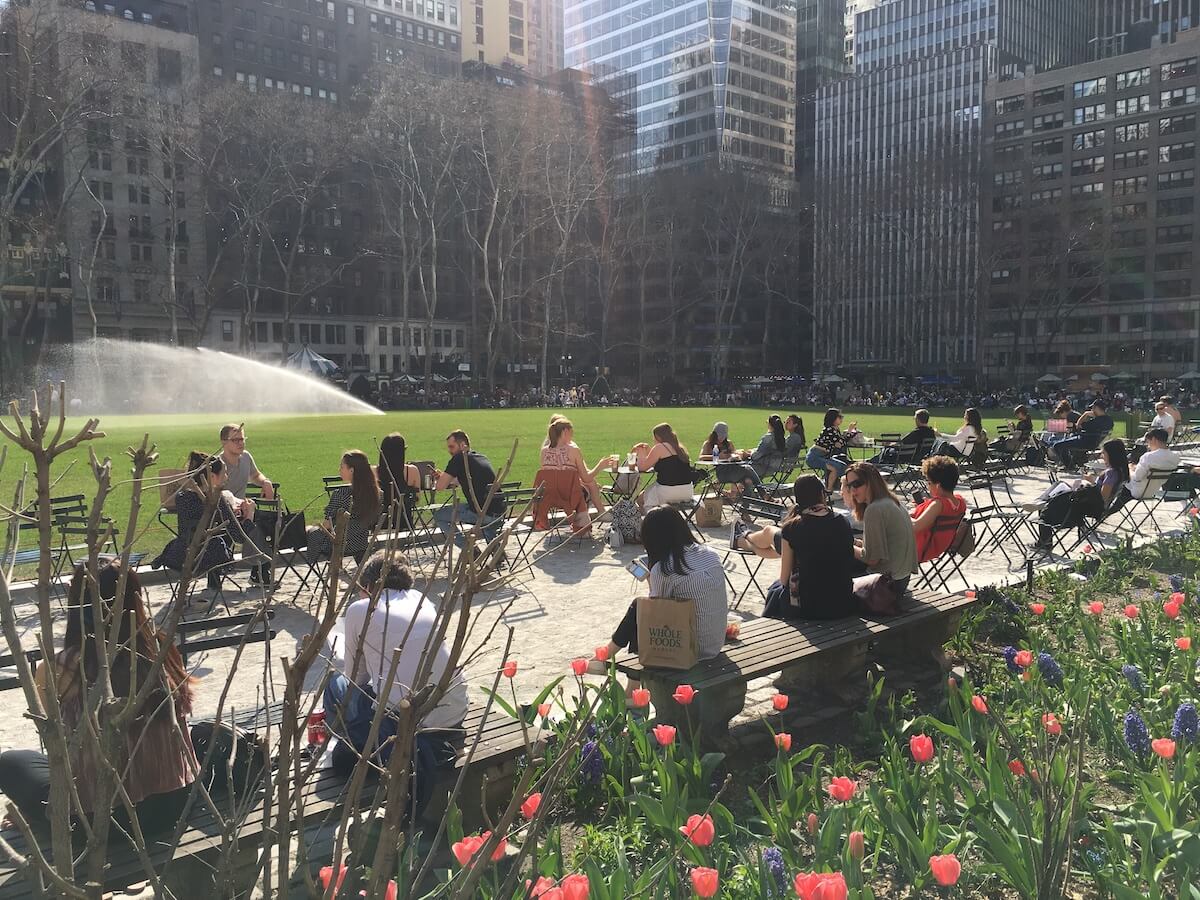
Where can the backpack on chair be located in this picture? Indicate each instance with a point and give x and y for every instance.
(627, 520)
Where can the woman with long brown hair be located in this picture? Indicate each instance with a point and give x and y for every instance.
(156, 762)
(360, 497)
(888, 543)
(669, 460)
(561, 452)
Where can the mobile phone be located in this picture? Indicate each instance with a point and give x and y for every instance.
(639, 568)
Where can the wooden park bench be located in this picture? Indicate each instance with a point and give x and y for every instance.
(818, 657)
(318, 812)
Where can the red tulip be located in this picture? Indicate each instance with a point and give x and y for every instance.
(664, 734)
(699, 830)
(684, 694)
(466, 849)
(921, 748)
(601, 653)
(1183, 643)
(858, 845)
(543, 709)
(530, 807)
(945, 869)
(1026, 675)
(498, 853)
(541, 888)
(1164, 747)
(1131, 611)
(813, 822)
(325, 875)
(1171, 610)
(1177, 597)
(1051, 724)
(640, 697)
(842, 788)
(780, 702)
(783, 741)
(820, 886)
(1095, 607)
(579, 666)
(1193, 511)
(1037, 608)
(1017, 768)
(510, 668)
(705, 881)
(1087, 548)
(970, 595)
(575, 887)
(1024, 658)
(979, 705)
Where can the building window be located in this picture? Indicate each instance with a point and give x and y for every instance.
(1051, 147)
(1048, 122)
(1139, 131)
(1176, 206)
(1006, 105)
(1133, 78)
(1174, 234)
(1129, 106)
(1180, 68)
(1173, 262)
(1129, 211)
(1177, 124)
(1086, 140)
(1177, 152)
(1131, 159)
(1183, 178)
(1177, 96)
(1093, 165)
(1048, 172)
(1010, 129)
(1047, 96)
(227, 329)
(1133, 238)
(1177, 287)
(383, 337)
(1089, 88)
(1041, 198)
(1138, 184)
(1093, 113)
(1002, 179)
(349, 14)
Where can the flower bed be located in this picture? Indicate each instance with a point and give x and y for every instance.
(1064, 764)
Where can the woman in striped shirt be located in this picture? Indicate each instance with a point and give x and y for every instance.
(679, 567)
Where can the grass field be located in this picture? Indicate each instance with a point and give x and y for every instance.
(297, 450)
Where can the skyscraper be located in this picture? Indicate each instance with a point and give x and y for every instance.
(708, 82)
(897, 174)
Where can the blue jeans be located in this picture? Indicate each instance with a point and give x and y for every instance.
(446, 516)
(819, 461)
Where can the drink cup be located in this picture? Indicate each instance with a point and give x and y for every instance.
(318, 734)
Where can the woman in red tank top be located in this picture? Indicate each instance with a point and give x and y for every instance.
(935, 520)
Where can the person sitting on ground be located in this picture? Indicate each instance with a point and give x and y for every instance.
(1157, 459)
(398, 480)
(1088, 500)
(1020, 432)
(888, 543)
(962, 442)
(474, 475)
(816, 569)
(717, 446)
(795, 443)
(561, 452)
(241, 471)
(679, 567)
(391, 615)
(921, 436)
(670, 461)
(360, 497)
(828, 452)
(1091, 429)
(936, 518)
(207, 473)
(155, 760)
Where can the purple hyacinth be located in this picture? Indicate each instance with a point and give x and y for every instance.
(1137, 737)
(1134, 676)
(773, 860)
(1052, 672)
(1186, 726)
(591, 763)
(1010, 659)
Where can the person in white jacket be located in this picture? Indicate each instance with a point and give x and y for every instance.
(1156, 459)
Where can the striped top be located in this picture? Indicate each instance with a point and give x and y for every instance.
(704, 583)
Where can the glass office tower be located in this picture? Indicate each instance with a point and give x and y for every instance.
(708, 81)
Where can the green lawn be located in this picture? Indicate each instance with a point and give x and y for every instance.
(297, 450)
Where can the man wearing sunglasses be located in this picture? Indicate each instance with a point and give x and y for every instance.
(243, 471)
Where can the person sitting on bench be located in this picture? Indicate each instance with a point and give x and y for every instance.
(1162, 419)
(936, 517)
(816, 559)
(828, 453)
(888, 543)
(388, 615)
(156, 760)
(360, 497)
(921, 435)
(962, 442)
(1091, 429)
(190, 500)
(1021, 431)
(679, 567)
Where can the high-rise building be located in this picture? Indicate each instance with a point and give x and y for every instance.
(545, 25)
(898, 157)
(1090, 230)
(708, 82)
(1123, 26)
(499, 34)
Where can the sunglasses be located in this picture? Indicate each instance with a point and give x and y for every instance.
(854, 485)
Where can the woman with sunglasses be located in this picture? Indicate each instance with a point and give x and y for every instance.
(816, 559)
(888, 544)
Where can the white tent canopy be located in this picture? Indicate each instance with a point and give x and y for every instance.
(308, 360)
(1049, 378)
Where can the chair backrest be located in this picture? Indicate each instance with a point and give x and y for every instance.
(332, 483)
(169, 483)
(763, 509)
(560, 489)
(943, 525)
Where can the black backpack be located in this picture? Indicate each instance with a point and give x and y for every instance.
(236, 754)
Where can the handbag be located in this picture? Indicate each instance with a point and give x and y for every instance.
(627, 520)
(876, 595)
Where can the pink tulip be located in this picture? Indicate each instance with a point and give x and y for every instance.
(530, 807)
(946, 869)
(979, 705)
(579, 666)
(1024, 658)
(325, 875)
(1037, 608)
(705, 881)
(1051, 724)
(664, 734)
(1164, 747)
(684, 694)
(783, 741)
(576, 887)
(1095, 607)
(510, 668)
(921, 748)
(640, 697)
(1131, 611)
(1171, 610)
(601, 653)
(842, 788)
(699, 830)
(813, 823)
(1183, 643)
(543, 709)
(858, 845)
(780, 702)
